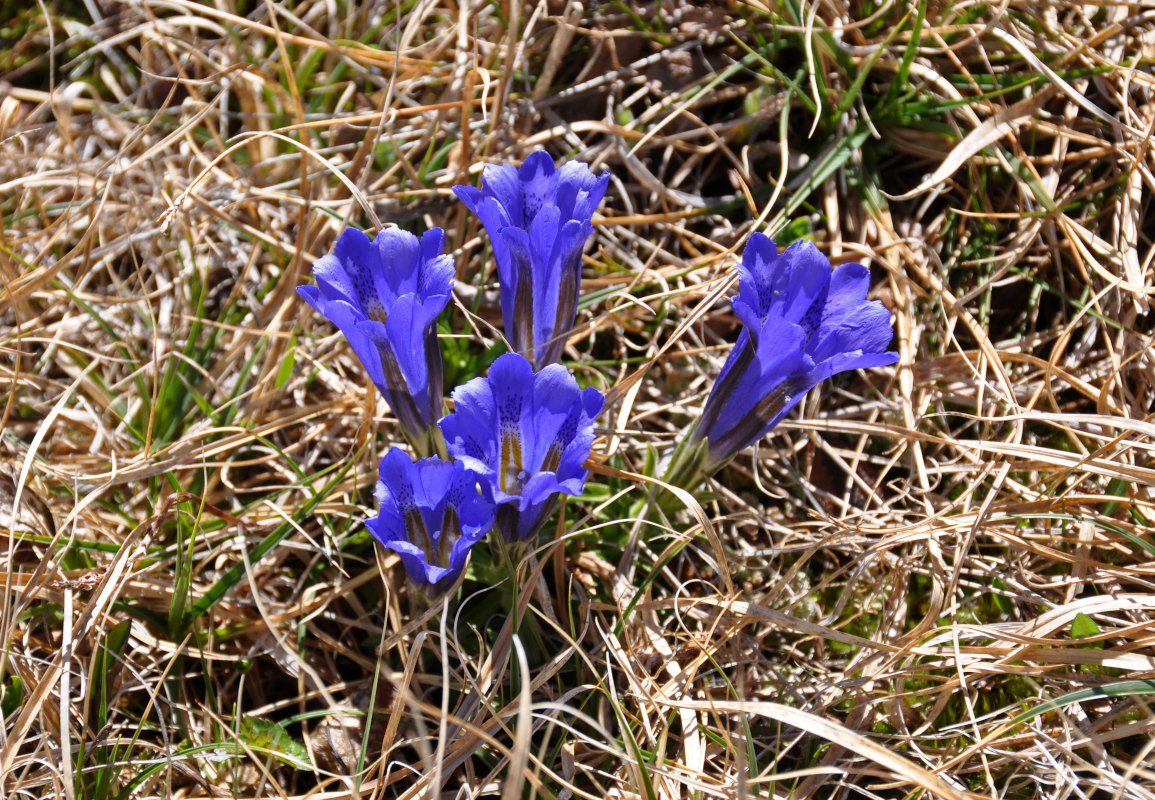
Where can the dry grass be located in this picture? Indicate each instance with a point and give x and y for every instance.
(869, 606)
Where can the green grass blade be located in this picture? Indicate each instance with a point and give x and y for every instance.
(237, 572)
(1104, 692)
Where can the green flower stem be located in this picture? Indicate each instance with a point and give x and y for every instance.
(686, 468)
(429, 443)
(506, 556)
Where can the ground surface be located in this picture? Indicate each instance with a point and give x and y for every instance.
(933, 580)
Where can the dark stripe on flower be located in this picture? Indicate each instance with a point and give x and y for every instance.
(511, 521)
(521, 338)
(565, 435)
(507, 519)
(566, 303)
(720, 396)
(450, 533)
(435, 373)
(418, 533)
(552, 457)
(400, 398)
(747, 430)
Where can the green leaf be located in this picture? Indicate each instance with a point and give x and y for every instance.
(271, 737)
(182, 578)
(999, 599)
(1083, 627)
(636, 751)
(1107, 526)
(106, 665)
(286, 369)
(185, 752)
(793, 231)
(652, 461)
(11, 695)
(1120, 689)
(1118, 487)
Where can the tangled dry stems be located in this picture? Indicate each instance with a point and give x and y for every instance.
(861, 608)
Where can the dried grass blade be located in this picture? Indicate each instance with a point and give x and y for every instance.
(837, 734)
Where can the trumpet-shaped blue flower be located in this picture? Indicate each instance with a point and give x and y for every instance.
(385, 296)
(527, 435)
(538, 221)
(802, 323)
(431, 514)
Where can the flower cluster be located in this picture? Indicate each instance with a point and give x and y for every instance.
(519, 438)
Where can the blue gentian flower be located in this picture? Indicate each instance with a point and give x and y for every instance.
(538, 221)
(431, 514)
(385, 296)
(526, 435)
(802, 323)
